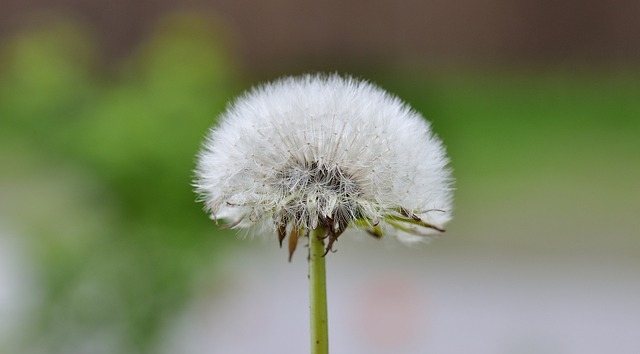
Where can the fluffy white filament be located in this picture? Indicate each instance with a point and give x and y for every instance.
(325, 151)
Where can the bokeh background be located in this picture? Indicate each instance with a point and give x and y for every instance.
(103, 106)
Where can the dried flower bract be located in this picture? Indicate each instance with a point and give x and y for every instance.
(325, 152)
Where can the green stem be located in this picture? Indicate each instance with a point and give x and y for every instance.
(318, 294)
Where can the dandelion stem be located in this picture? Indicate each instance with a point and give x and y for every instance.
(318, 294)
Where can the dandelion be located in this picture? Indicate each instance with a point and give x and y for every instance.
(321, 154)
(329, 152)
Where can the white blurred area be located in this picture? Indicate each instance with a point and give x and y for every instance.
(17, 291)
(385, 299)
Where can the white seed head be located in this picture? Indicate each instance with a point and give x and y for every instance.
(325, 151)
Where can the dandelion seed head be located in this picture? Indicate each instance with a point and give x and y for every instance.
(325, 151)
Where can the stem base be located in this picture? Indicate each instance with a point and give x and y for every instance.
(318, 294)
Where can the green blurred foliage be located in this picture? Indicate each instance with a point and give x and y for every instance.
(98, 174)
(545, 161)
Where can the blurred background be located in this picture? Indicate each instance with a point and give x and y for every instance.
(103, 106)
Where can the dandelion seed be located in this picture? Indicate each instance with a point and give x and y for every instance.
(325, 152)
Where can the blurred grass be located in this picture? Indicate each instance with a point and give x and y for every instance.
(97, 168)
(97, 176)
(545, 162)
